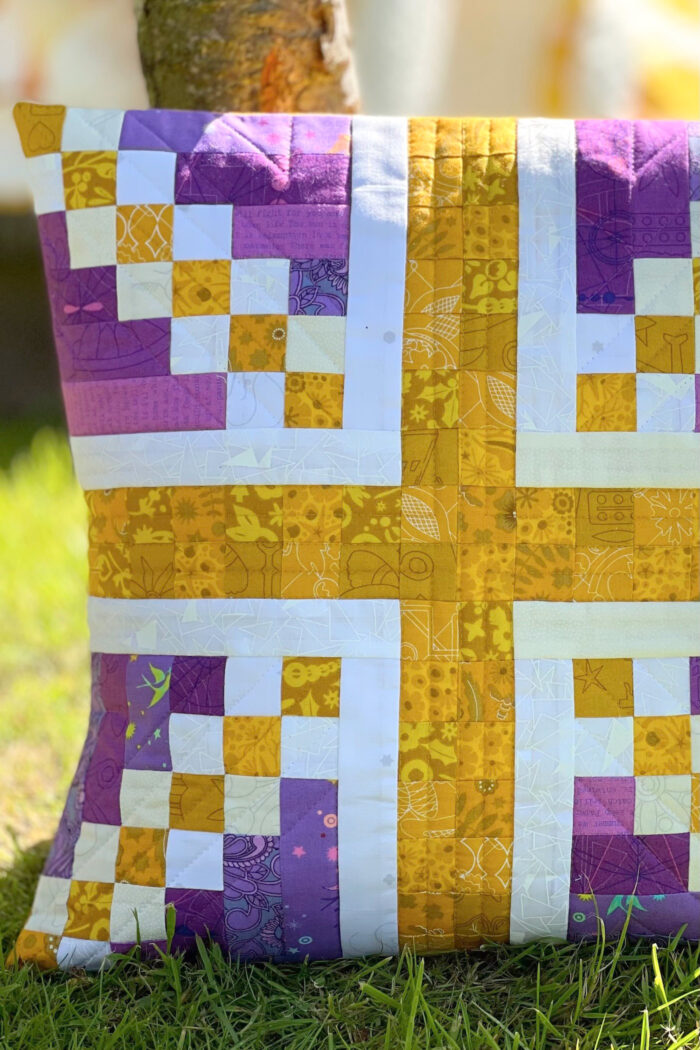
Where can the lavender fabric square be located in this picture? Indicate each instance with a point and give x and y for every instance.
(87, 296)
(604, 805)
(148, 699)
(318, 286)
(120, 350)
(252, 896)
(197, 913)
(695, 684)
(651, 915)
(104, 772)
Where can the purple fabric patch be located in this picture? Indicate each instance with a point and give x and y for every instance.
(147, 691)
(53, 233)
(252, 896)
(163, 129)
(632, 191)
(661, 190)
(695, 685)
(628, 864)
(247, 133)
(115, 350)
(59, 862)
(197, 685)
(604, 216)
(109, 682)
(604, 805)
(318, 286)
(103, 776)
(697, 402)
(255, 179)
(694, 161)
(309, 868)
(153, 403)
(312, 231)
(86, 296)
(320, 134)
(197, 913)
(659, 915)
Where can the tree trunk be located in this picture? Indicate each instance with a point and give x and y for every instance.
(247, 55)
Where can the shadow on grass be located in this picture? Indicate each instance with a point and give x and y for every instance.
(17, 886)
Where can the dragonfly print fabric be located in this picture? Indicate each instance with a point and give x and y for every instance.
(390, 442)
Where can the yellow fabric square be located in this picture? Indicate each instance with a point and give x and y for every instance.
(201, 287)
(665, 344)
(544, 572)
(435, 233)
(545, 515)
(486, 457)
(426, 808)
(429, 571)
(488, 343)
(490, 286)
(144, 233)
(313, 513)
(487, 515)
(606, 402)
(151, 570)
(429, 691)
(253, 569)
(429, 630)
(666, 574)
(199, 569)
(311, 686)
(696, 289)
(313, 400)
(491, 231)
(369, 570)
(40, 127)
(487, 571)
(371, 514)
(603, 574)
(253, 512)
(430, 399)
(661, 745)
(486, 399)
(257, 343)
(38, 948)
(428, 751)
(433, 286)
(310, 569)
(430, 457)
(90, 178)
(485, 630)
(141, 856)
(198, 513)
(666, 518)
(197, 802)
(89, 907)
(603, 688)
(431, 340)
(605, 517)
(252, 745)
(429, 515)
(487, 691)
(441, 865)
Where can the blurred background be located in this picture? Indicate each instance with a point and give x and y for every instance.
(601, 58)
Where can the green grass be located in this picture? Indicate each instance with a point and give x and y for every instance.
(593, 996)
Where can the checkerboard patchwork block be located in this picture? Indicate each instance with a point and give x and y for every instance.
(389, 438)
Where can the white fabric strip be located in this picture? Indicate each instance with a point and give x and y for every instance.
(608, 460)
(374, 331)
(568, 630)
(367, 805)
(544, 799)
(245, 627)
(249, 457)
(546, 398)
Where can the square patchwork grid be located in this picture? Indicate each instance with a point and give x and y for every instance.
(225, 807)
(636, 805)
(638, 243)
(224, 250)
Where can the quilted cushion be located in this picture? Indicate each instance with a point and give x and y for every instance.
(389, 435)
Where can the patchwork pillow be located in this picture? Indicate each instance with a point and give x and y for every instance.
(390, 441)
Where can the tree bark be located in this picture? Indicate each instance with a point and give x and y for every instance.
(247, 55)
